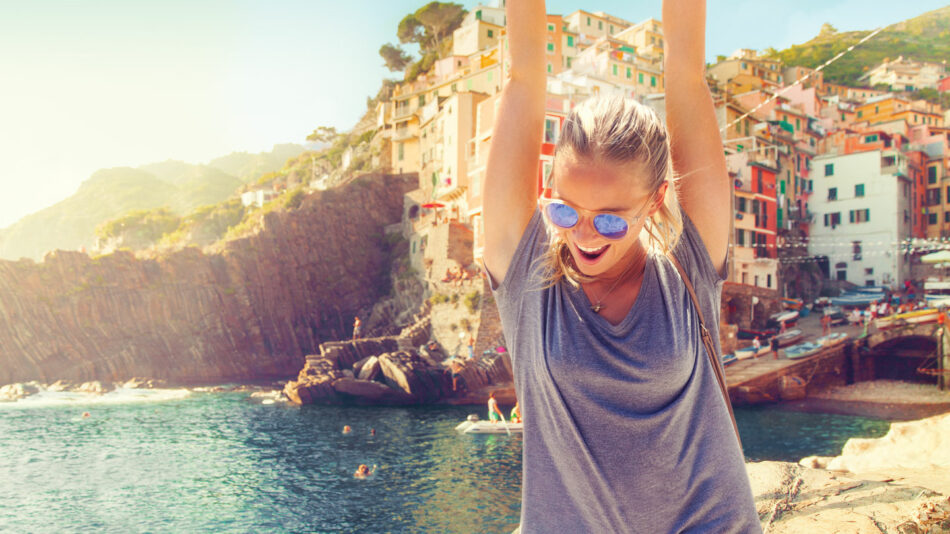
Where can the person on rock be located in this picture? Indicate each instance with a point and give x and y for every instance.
(515, 414)
(494, 414)
(356, 328)
(626, 426)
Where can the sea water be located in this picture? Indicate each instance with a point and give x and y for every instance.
(180, 461)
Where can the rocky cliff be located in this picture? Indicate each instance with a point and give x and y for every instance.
(250, 310)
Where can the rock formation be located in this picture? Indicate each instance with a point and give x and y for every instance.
(250, 310)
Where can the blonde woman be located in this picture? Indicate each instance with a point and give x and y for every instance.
(626, 429)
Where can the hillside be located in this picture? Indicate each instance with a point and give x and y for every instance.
(109, 193)
(924, 38)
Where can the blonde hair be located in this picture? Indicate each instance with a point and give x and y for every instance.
(621, 131)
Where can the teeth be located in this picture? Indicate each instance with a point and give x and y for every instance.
(591, 250)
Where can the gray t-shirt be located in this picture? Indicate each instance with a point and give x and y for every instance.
(625, 427)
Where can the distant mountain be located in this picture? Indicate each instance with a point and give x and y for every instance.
(924, 38)
(250, 167)
(109, 193)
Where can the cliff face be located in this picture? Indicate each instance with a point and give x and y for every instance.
(249, 311)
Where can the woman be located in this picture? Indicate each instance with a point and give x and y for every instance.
(626, 428)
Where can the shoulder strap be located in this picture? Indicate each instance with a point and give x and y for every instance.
(708, 343)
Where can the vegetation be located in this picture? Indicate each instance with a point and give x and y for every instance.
(140, 228)
(472, 301)
(431, 28)
(924, 38)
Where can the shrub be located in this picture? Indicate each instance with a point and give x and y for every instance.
(472, 301)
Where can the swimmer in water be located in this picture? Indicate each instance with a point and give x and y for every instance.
(86, 414)
(363, 471)
(372, 432)
(347, 429)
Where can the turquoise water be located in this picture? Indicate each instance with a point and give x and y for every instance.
(172, 461)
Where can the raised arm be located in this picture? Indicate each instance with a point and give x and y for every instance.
(691, 121)
(509, 190)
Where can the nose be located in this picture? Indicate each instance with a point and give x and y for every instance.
(584, 231)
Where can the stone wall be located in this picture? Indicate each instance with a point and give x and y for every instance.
(737, 307)
(249, 310)
(832, 367)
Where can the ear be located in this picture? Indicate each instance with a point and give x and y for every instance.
(658, 199)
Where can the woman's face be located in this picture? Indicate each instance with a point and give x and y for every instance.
(599, 186)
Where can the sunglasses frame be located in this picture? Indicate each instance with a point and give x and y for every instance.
(544, 202)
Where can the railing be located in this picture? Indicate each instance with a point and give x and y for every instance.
(402, 135)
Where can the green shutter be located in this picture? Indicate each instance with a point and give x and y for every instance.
(570, 40)
(629, 74)
(639, 77)
(781, 187)
(550, 47)
(615, 70)
(652, 81)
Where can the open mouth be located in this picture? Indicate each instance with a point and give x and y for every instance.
(591, 254)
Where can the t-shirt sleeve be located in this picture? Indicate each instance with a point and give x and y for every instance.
(694, 257)
(523, 265)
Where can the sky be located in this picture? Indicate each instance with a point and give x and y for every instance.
(107, 83)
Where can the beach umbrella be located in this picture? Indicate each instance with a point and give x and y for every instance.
(942, 256)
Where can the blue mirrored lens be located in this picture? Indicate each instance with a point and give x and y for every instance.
(610, 226)
(562, 215)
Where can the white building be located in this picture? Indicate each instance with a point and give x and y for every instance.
(258, 197)
(904, 74)
(863, 207)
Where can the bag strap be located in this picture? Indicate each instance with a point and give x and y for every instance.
(710, 347)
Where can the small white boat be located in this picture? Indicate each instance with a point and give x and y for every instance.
(802, 350)
(750, 352)
(475, 426)
(728, 359)
(834, 338)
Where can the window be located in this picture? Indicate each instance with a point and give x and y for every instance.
(768, 279)
(741, 204)
(859, 190)
(798, 124)
(568, 60)
(758, 176)
(829, 169)
(402, 151)
(639, 77)
(550, 68)
(491, 33)
(615, 69)
(946, 216)
(600, 24)
(740, 237)
(629, 74)
(859, 216)
(546, 169)
(932, 175)
(860, 114)
(842, 275)
(588, 21)
(832, 193)
(931, 218)
(478, 15)
(933, 197)
(856, 250)
(611, 29)
(652, 81)
(551, 47)
(570, 40)
(869, 270)
(870, 138)
(832, 219)
(454, 88)
(744, 67)
(550, 130)
(550, 27)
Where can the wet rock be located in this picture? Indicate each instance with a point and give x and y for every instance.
(136, 383)
(95, 387)
(13, 392)
(370, 370)
(60, 385)
(366, 392)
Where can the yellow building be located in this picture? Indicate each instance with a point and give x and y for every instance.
(889, 107)
(597, 24)
(475, 37)
(646, 37)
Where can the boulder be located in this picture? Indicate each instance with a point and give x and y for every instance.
(367, 392)
(12, 392)
(96, 387)
(370, 369)
(60, 385)
(136, 383)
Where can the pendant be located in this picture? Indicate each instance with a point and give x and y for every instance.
(596, 308)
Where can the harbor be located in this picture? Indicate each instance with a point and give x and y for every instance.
(873, 375)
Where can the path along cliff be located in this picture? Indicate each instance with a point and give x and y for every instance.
(248, 311)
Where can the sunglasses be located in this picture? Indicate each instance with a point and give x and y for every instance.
(609, 225)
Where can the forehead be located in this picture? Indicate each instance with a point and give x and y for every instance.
(599, 185)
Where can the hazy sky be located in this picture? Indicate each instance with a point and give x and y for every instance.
(104, 83)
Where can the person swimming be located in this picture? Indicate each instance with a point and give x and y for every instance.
(364, 471)
(347, 429)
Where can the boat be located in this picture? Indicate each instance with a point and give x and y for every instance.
(928, 315)
(473, 425)
(728, 359)
(792, 304)
(750, 352)
(802, 350)
(832, 339)
(860, 298)
(789, 337)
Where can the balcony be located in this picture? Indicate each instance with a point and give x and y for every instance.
(403, 134)
(402, 112)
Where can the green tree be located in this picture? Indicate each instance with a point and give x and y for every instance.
(827, 29)
(430, 24)
(323, 134)
(395, 57)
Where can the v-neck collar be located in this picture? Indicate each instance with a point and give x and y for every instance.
(583, 304)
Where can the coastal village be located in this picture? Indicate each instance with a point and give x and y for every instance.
(836, 188)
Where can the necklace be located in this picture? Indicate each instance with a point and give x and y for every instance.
(598, 305)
